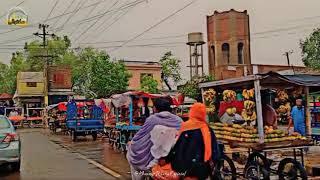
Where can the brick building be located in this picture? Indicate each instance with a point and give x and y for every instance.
(60, 84)
(228, 36)
(138, 69)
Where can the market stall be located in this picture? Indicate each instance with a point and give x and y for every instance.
(315, 116)
(34, 117)
(55, 117)
(253, 112)
(182, 106)
(15, 115)
(131, 110)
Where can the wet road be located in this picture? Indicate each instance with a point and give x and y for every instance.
(48, 157)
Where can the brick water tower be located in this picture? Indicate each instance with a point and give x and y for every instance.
(228, 36)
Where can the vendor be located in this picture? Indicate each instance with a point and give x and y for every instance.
(230, 115)
(14, 112)
(298, 118)
(34, 113)
(270, 116)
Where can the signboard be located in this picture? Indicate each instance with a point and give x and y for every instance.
(17, 16)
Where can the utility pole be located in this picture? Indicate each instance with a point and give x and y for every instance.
(44, 36)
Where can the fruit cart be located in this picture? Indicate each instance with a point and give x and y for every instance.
(239, 104)
(131, 111)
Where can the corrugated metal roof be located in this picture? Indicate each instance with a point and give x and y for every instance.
(304, 79)
(269, 78)
(6, 96)
(30, 77)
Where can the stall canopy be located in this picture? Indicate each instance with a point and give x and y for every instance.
(5, 96)
(119, 100)
(269, 79)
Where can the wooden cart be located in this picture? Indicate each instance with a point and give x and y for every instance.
(258, 166)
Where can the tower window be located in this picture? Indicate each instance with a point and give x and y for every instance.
(226, 52)
(240, 53)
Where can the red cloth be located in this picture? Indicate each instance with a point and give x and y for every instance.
(62, 106)
(34, 118)
(178, 100)
(16, 118)
(104, 108)
(224, 106)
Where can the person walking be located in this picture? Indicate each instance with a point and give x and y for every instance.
(143, 150)
(298, 118)
(196, 147)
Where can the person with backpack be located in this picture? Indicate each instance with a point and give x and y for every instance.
(194, 152)
(154, 140)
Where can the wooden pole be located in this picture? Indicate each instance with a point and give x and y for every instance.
(307, 112)
(257, 92)
(131, 111)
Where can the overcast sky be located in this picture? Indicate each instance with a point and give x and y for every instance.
(276, 26)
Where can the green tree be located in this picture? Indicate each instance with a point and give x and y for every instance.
(57, 47)
(149, 85)
(311, 50)
(94, 74)
(98, 76)
(170, 69)
(191, 88)
(4, 83)
(8, 73)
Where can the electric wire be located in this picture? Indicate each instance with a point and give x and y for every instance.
(155, 25)
(55, 23)
(4, 14)
(95, 22)
(80, 4)
(128, 5)
(101, 25)
(109, 26)
(88, 14)
(52, 9)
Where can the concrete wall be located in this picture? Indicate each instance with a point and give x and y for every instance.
(137, 70)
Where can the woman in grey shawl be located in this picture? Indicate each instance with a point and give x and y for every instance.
(140, 154)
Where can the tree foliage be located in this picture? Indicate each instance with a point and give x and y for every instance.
(9, 72)
(191, 88)
(148, 84)
(98, 75)
(170, 69)
(311, 50)
(93, 72)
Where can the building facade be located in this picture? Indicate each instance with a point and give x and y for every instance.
(229, 56)
(30, 89)
(138, 69)
(228, 36)
(60, 84)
